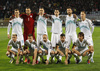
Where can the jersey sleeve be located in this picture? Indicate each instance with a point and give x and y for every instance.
(66, 45)
(91, 25)
(10, 43)
(40, 44)
(89, 44)
(35, 15)
(57, 44)
(22, 15)
(26, 44)
(9, 26)
(34, 45)
(75, 43)
(19, 44)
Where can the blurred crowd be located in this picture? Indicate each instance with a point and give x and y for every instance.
(7, 6)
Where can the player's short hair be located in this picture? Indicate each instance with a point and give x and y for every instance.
(41, 7)
(57, 9)
(83, 12)
(44, 34)
(16, 10)
(30, 35)
(14, 34)
(28, 8)
(62, 35)
(69, 7)
(81, 34)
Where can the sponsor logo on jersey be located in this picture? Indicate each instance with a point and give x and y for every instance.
(31, 16)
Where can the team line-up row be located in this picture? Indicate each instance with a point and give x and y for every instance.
(60, 43)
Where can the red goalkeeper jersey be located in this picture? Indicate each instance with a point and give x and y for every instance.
(28, 21)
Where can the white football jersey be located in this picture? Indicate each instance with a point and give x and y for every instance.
(70, 24)
(85, 27)
(82, 44)
(41, 25)
(56, 25)
(16, 24)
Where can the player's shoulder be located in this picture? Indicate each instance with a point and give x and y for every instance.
(84, 40)
(88, 20)
(53, 16)
(59, 41)
(77, 40)
(33, 41)
(41, 40)
(20, 18)
(18, 41)
(23, 15)
(10, 40)
(66, 41)
(27, 41)
(48, 41)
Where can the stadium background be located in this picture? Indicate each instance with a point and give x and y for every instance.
(92, 8)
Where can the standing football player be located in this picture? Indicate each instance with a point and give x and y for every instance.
(41, 26)
(28, 20)
(86, 26)
(16, 24)
(56, 27)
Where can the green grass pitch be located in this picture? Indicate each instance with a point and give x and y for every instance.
(83, 66)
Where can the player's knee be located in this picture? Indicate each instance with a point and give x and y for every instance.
(24, 52)
(7, 53)
(73, 50)
(40, 51)
(55, 52)
(21, 53)
(52, 52)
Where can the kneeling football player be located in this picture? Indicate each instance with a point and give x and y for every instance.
(32, 51)
(62, 46)
(80, 48)
(46, 50)
(16, 49)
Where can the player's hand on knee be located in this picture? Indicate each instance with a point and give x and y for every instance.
(7, 53)
(52, 52)
(55, 52)
(73, 50)
(69, 52)
(24, 52)
(62, 54)
(15, 54)
(40, 51)
(21, 53)
(46, 52)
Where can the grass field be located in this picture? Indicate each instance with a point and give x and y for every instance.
(83, 66)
